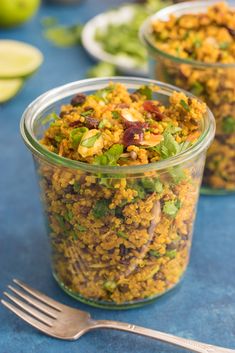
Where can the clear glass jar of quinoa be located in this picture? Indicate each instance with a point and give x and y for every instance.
(192, 45)
(120, 166)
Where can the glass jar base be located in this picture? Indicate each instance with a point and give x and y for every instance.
(110, 305)
(209, 191)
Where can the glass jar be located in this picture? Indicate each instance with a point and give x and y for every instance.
(120, 236)
(214, 83)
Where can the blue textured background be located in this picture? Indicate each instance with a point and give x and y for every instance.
(202, 307)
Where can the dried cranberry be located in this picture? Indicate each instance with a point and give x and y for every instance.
(75, 123)
(150, 107)
(78, 99)
(133, 136)
(91, 123)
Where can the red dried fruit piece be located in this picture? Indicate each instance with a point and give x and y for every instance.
(133, 136)
(150, 107)
(75, 123)
(78, 99)
(91, 123)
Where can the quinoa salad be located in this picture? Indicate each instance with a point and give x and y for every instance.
(205, 38)
(121, 239)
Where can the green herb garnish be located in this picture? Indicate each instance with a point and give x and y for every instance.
(103, 123)
(224, 45)
(197, 42)
(110, 286)
(87, 112)
(68, 216)
(228, 124)
(152, 185)
(81, 228)
(61, 221)
(76, 135)
(103, 93)
(58, 138)
(171, 129)
(141, 191)
(185, 105)
(146, 91)
(171, 253)
(122, 234)
(177, 173)
(90, 141)
(76, 186)
(171, 208)
(50, 118)
(197, 88)
(154, 253)
(101, 208)
(115, 115)
(170, 147)
(111, 156)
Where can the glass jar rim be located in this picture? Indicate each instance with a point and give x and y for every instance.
(54, 95)
(145, 32)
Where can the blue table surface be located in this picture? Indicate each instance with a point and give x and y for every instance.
(202, 307)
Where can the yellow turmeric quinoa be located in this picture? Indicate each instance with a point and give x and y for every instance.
(121, 239)
(207, 38)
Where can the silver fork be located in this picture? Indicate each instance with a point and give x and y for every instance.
(63, 322)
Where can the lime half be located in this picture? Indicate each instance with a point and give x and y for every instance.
(9, 88)
(18, 59)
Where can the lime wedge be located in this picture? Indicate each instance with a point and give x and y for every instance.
(18, 59)
(9, 88)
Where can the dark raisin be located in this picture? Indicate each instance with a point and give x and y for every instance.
(123, 250)
(78, 99)
(123, 288)
(134, 97)
(75, 123)
(91, 123)
(88, 108)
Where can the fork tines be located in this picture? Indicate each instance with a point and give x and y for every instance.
(36, 308)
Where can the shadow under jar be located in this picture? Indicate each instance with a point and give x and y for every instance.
(214, 83)
(120, 236)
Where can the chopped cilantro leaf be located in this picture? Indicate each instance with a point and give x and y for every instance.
(101, 208)
(171, 253)
(185, 105)
(154, 253)
(50, 118)
(90, 141)
(146, 91)
(87, 112)
(171, 208)
(228, 124)
(197, 88)
(122, 234)
(111, 156)
(115, 115)
(76, 135)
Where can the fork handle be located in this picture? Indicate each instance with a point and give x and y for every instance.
(161, 336)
